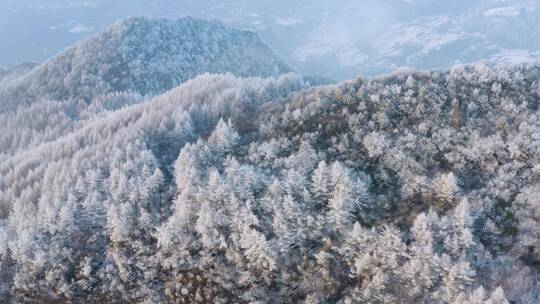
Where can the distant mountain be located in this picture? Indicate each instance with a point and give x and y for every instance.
(347, 38)
(339, 39)
(146, 56)
(498, 32)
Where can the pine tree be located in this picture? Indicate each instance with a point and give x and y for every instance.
(321, 184)
(341, 208)
(498, 297)
(457, 278)
(223, 138)
(478, 296)
(446, 188)
(422, 267)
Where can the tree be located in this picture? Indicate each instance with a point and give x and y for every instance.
(322, 184)
(348, 197)
(341, 208)
(478, 296)
(375, 143)
(446, 188)
(459, 238)
(212, 218)
(223, 138)
(457, 278)
(423, 266)
(498, 297)
(259, 253)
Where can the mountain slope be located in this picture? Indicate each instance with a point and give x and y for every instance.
(143, 56)
(416, 187)
(8, 75)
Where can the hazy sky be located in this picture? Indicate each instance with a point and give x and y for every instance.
(335, 38)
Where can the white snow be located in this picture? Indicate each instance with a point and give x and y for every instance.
(506, 11)
(425, 33)
(73, 4)
(346, 53)
(77, 29)
(516, 56)
(287, 21)
(439, 41)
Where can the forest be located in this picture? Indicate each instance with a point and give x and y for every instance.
(250, 183)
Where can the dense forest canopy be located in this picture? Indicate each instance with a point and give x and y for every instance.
(417, 187)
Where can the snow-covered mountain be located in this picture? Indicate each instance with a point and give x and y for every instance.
(501, 33)
(145, 56)
(352, 40)
(131, 173)
(338, 39)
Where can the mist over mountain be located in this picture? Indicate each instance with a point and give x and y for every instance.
(337, 39)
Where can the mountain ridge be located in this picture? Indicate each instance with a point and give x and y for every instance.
(147, 56)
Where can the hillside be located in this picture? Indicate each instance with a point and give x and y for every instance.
(144, 56)
(127, 64)
(8, 75)
(419, 186)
